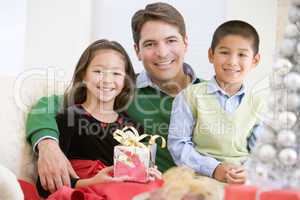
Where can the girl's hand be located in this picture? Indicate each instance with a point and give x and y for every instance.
(103, 176)
(154, 173)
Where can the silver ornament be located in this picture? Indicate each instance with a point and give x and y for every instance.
(261, 173)
(296, 2)
(288, 157)
(267, 136)
(286, 138)
(266, 153)
(294, 14)
(292, 80)
(287, 119)
(282, 66)
(291, 31)
(293, 101)
(288, 47)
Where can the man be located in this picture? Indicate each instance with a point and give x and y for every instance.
(160, 42)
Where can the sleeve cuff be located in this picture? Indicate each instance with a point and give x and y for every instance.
(43, 134)
(209, 167)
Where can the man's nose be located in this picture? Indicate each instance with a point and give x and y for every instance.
(162, 50)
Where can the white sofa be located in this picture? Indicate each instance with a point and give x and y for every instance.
(18, 95)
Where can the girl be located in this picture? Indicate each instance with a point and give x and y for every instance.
(94, 104)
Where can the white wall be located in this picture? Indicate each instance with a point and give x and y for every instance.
(58, 31)
(12, 36)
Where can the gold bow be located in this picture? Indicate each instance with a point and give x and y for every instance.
(130, 137)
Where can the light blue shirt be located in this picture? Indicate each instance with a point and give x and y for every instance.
(181, 127)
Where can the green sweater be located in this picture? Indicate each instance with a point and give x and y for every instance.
(150, 107)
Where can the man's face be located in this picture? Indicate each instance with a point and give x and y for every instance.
(161, 49)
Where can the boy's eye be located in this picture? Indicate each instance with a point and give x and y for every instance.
(242, 55)
(224, 52)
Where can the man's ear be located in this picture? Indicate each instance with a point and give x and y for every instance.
(210, 55)
(137, 51)
(186, 43)
(255, 60)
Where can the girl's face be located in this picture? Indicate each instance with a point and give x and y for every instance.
(105, 76)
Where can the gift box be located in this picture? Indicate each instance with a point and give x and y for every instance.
(245, 192)
(133, 162)
(133, 158)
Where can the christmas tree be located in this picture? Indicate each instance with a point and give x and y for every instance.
(275, 162)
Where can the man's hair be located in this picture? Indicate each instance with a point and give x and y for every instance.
(236, 27)
(157, 12)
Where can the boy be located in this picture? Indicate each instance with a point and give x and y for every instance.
(213, 124)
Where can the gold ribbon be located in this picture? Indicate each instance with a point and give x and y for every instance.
(130, 137)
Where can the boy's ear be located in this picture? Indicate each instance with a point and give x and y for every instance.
(256, 60)
(210, 55)
(137, 51)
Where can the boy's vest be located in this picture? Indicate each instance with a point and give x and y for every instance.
(218, 134)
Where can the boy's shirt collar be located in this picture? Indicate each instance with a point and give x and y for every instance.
(143, 80)
(213, 87)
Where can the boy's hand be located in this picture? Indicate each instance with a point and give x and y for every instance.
(221, 171)
(236, 175)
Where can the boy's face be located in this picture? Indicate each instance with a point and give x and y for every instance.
(161, 49)
(233, 58)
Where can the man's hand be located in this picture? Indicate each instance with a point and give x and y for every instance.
(54, 168)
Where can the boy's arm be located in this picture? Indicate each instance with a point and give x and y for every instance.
(180, 142)
(41, 121)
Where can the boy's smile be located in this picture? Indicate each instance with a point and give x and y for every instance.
(233, 58)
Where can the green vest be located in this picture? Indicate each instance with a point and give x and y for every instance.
(218, 134)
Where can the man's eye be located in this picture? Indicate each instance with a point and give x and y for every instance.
(148, 45)
(172, 41)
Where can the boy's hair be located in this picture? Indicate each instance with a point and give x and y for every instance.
(159, 12)
(77, 91)
(236, 27)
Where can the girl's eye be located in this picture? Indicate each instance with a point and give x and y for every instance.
(242, 55)
(117, 74)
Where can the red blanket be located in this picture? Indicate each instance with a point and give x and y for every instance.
(102, 191)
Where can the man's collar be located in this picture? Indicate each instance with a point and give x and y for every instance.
(213, 87)
(143, 79)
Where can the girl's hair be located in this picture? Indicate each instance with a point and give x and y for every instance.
(77, 91)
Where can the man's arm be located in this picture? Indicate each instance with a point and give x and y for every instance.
(41, 121)
(42, 133)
